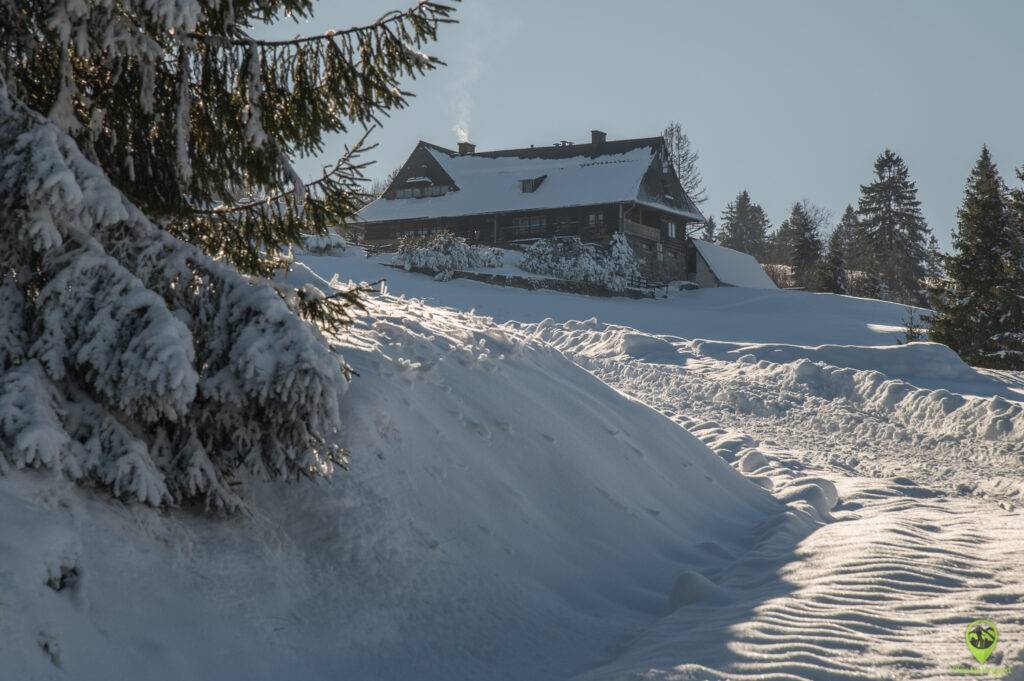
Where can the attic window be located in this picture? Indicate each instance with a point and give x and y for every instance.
(421, 192)
(530, 185)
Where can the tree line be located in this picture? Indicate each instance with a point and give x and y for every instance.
(883, 248)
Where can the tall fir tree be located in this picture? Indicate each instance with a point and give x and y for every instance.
(847, 230)
(892, 238)
(862, 278)
(199, 122)
(745, 226)
(131, 360)
(936, 263)
(979, 304)
(709, 232)
(684, 159)
(834, 275)
(804, 240)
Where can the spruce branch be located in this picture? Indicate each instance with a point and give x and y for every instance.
(425, 17)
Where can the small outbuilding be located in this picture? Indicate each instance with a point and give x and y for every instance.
(721, 266)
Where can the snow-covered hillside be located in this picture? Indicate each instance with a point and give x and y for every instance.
(725, 484)
(507, 516)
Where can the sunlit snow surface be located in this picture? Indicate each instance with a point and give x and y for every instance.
(813, 501)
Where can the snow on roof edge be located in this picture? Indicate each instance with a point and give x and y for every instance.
(678, 211)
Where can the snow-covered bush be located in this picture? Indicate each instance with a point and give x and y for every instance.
(130, 360)
(621, 264)
(445, 252)
(329, 244)
(568, 258)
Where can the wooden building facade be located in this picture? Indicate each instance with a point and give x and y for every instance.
(518, 195)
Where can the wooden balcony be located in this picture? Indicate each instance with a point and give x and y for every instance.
(642, 231)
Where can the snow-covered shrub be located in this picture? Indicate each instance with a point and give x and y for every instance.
(568, 258)
(129, 359)
(445, 252)
(621, 265)
(329, 244)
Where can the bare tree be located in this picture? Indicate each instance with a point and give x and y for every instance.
(684, 160)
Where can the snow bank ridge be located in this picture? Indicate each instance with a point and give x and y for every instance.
(843, 372)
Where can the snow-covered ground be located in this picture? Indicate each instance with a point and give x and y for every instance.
(725, 484)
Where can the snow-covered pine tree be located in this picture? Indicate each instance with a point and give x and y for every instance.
(892, 239)
(835, 278)
(709, 232)
(198, 122)
(130, 360)
(804, 240)
(745, 226)
(979, 304)
(622, 264)
(684, 160)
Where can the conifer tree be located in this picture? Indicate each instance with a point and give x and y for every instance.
(198, 123)
(847, 231)
(892, 234)
(936, 267)
(684, 160)
(801, 231)
(979, 305)
(709, 231)
(131, 360)
(745, 226)
(835, 278)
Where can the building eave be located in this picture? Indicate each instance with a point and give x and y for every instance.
(693, 217)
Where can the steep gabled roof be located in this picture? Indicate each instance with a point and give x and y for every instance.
(733, 267)
(576, 175)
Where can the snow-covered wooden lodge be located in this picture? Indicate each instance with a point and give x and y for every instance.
(587, 190)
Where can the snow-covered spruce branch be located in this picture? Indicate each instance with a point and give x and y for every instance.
(132, 361)
(423, 18)
(184, 110)
(269, 224)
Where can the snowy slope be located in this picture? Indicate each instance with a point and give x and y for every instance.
(925, 538)
(729, 314)
(726, 484)
(507, 516)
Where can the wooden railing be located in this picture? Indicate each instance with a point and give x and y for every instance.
(636, 229)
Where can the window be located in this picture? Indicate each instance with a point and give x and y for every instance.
(531, 184)
(595, 219)
(671, 230)
(528, 225)
(420, 231)
(661, 251)
(420, 192)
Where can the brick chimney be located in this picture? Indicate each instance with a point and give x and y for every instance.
(597, 138)
(466, 148)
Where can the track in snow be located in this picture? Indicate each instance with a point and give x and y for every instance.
(925, 536)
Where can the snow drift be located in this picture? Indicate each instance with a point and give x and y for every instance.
(507, 515)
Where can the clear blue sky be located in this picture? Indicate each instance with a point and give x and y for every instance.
(789, 99)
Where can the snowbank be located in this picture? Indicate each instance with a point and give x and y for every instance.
(914, 360)
(507, 515)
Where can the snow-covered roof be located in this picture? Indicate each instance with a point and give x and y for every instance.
(733, 267)
(491, 183)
